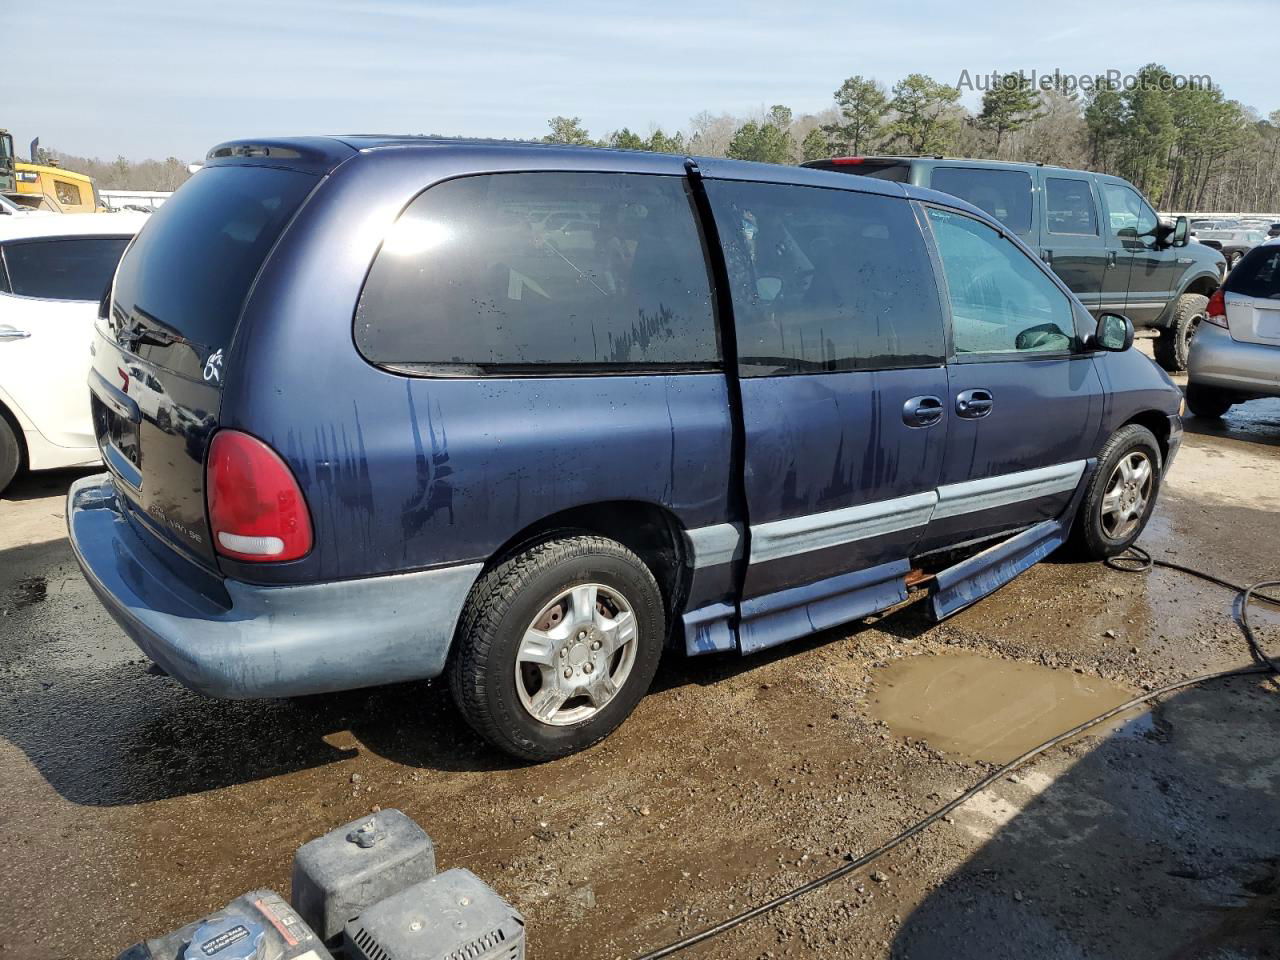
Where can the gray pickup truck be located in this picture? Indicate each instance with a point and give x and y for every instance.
(1097, 232)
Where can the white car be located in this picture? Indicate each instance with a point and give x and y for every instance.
(53, 272)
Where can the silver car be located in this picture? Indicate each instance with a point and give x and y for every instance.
(1235, 354)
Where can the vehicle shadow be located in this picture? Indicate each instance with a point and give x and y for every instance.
(1161, 841)
(79, 700)
(45, 483)
(1257, 421)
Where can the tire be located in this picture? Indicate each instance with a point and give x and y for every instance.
(1207, 401)
(536, 593)
(10, 453)
(1094, 537)
(1174, 343)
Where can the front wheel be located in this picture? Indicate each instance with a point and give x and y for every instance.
(557, 645)
(1173, 346)
(1121, 494)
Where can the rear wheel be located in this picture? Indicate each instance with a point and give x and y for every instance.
(10, 453)
(557, 645)
(1121, 494)
(1207, 401)
(1174, 343)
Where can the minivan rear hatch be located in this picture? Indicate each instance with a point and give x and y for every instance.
(165, 332)
(1252, 295)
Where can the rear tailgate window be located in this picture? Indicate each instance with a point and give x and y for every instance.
(1258, 274)
(182, 284)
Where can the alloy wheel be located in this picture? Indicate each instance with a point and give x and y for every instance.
(1128, 493)
(576, 654)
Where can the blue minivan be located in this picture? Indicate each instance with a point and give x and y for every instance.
(529, 416)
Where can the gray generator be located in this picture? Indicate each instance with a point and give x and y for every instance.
(453, 916)
(365, 891)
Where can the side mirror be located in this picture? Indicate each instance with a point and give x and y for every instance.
(1181, 232)
(1114, 333)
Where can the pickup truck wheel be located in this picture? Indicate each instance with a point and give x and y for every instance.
(556, 645)
(10, 453)
(1174, 343)
(1121, 494)
(1207, 402)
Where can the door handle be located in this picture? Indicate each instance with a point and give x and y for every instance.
(974, 404)
(922, 411)
(1111, 258)
(1047, 256)
(13, 333)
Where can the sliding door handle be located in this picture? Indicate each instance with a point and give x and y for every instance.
(974, 404)
(922, 411)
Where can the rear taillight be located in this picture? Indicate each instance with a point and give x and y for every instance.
(256, 509)
(1216, 311)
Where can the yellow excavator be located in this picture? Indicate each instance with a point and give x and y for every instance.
(44, 186)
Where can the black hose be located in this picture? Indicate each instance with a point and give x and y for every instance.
(1138, 562)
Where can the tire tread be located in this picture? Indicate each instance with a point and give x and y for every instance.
(486, 607)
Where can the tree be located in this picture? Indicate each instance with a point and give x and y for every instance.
(659, 142)
(925, 119)
(1009, 105)
(624, 139)
(863, 105)
(815, 146)
(767, 142)
(568, 130)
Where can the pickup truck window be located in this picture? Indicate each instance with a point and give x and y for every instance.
(1069, 207)
(1130, 217)
(1005, 194)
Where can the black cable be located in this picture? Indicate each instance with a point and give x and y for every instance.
(1144, 562)
(1125, 563)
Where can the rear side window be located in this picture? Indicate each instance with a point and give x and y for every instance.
(192, 265)
(1001, 301)
(1005, 194)
(1070, 208)
(541, 271)
(1258, 274)
(826, 280)
(74, 268)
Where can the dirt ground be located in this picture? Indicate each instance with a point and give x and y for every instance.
(130, 806)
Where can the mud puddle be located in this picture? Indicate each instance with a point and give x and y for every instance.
(986, 709)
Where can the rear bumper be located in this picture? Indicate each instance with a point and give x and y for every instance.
(1217, 360)
(237, 640)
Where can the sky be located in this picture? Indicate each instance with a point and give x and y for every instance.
(158, 78)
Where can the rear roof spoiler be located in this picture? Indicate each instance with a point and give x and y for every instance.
(316, 155)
